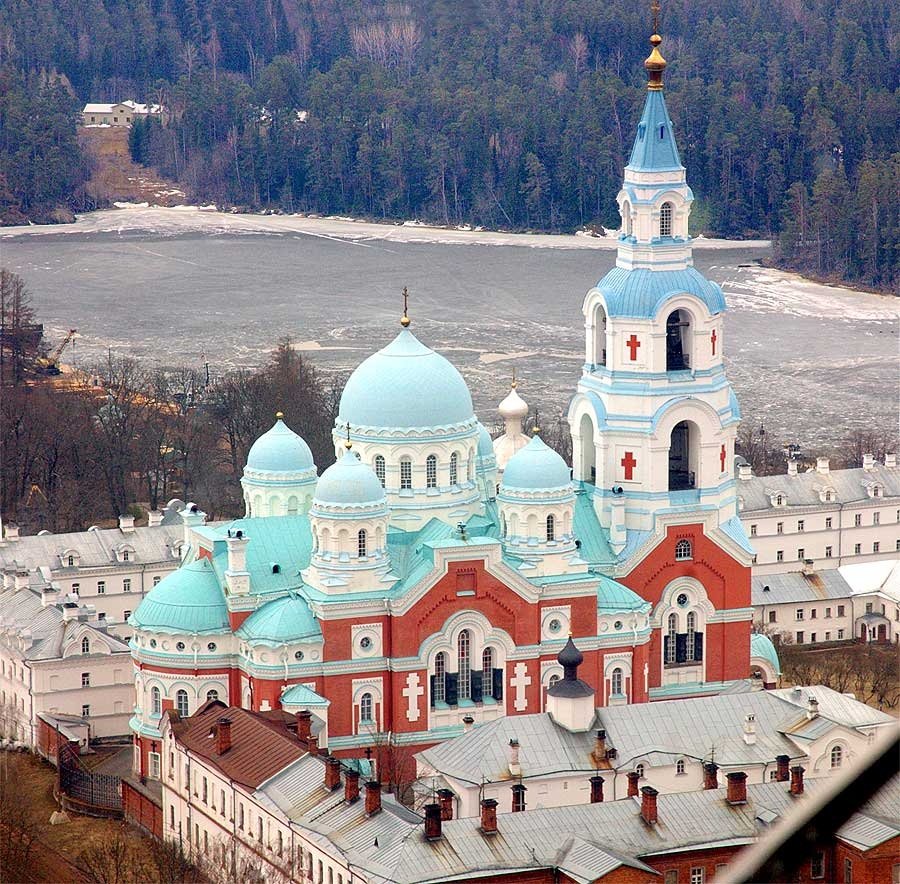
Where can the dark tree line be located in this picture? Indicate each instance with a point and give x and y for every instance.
(505, 112)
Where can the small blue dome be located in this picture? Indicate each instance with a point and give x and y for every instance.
(485, 443)
(281, 621)
(761, 646)
(536, 467)
(349, 482)
(280, 450)
(406, 385)
(186, 601)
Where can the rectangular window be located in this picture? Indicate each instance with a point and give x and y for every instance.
(840, 612)
(153, 758)
(848, 871)
(828, 552)
(868, 607)
(798, 615)
(801, 553)
(812, 613)
(86, 711)
(897, 545)
(698, 875)
(671, 876)
(405, 474)
(752, 534)
(812, 637)
(828, 522)
(828, 613)
(876, 518)
(779, 556)
(76, 588)
(799, 638)
(857, 520)
(101, 587)
(840, 634)
(125, 615)
(779, 528)
(772, 617)
(241, 817)
(800, 524)
(817, 865)
(85, 679)
(876, 547)
(222, 802)
(857, 548)
(828, 636)
(156, 579)
(126, 585)
(205, 791)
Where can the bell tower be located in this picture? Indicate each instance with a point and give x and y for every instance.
(654, 418)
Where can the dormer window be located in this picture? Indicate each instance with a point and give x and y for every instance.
(70, 561)
(126, 555)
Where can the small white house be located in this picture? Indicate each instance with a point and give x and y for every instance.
(122, 113)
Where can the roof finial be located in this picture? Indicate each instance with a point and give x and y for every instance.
(655, 63)
(279, 415)
(404, 320)
(515, 380)
(348, 444)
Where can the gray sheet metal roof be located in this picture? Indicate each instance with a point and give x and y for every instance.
(795, 586)
(656, 733)
(96, 548)
(803, 489)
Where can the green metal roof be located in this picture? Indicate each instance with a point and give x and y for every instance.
(284, 620)
(613, 597)
(595, 547)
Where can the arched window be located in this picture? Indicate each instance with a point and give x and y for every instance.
(366, 709)
(691, 636)
(672, 632)
(487, 672)
(665, 220)
(552, 680)
(837, 757)
(454, 468)
(431, 471)
(470, 467)
(439, 693)
(503, 525)
(679, 766)
(405, 474)
(616, 682)
(626, 218)
(683, 550)
(379, 468)
(125, 555)
(639, 770)
(71, 561)
(678, 341)
(464, 659)
(684, 447)
(85, 645)
(551, 528)
(361, 544)
(155, 702)
(212, 694)
(181, 703)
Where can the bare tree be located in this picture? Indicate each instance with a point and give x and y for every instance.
(115, 861)
(189, 58)
(20, 822)
(18, 334)
(578, 49)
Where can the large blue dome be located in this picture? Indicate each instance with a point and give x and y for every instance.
(405, 386)
(280, 450)
(536, 467)
(186, 601)
(349, 482)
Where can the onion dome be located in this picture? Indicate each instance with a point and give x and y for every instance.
(537, 467)
(485, 443)
(406, 385)
(513, 407)
(283, 621)
(189, 600)
(570, 656)
(280, 450)
(570, 685)
(349, 483)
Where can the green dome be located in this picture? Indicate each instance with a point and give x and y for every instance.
(536, 467)
(761, 646)
(186, 601)
(280, 450)
(281, 621)
(349, 482)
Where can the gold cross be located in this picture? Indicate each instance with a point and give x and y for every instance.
(654, 8)
(405, 320)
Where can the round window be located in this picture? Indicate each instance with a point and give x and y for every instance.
(152, 642)
(365, 643)
(298, 655)
(554, 625)
(682, 599)
(211, 646)
(617, 624)
(179, 646)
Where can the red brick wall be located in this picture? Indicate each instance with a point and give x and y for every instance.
(141, 810)
(684, 862)
(870, 867)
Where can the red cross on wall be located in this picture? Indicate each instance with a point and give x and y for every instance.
(632, 344)
(723, 454)
(629, 463)
(713, 338)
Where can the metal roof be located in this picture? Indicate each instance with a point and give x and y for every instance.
(795, 586)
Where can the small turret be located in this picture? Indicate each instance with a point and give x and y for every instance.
(570, 702)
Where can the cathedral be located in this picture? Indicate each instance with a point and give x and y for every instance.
(429, 579)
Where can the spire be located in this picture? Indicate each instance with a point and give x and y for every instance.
(655, 63)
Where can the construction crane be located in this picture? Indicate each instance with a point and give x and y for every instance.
(50, 364)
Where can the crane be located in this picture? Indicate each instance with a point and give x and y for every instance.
(50, 364)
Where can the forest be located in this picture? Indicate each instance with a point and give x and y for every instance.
(505, 113)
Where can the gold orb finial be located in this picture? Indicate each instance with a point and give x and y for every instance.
(515, 380)
(404, 320)
(348, 444)
(279, 415)
(655, 63)
(535, 431)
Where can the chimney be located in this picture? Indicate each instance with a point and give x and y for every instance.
(518, 798)
(737, 787)
(21, 581)
(304, 725)
(749, 728)
(237, 577)
(126, 524)
(445, 797)
(432, 822)
(890, 461)
(373, 797)
(745, 471)
(633, 778)
(223, 735)
(822, 465)
(596, 789)
(648, 805)
(489, 816)
(332, 773)
(710, 775)
(868, 461)
(796, 780)
(154, 519)
(468, 721)
(783, 771)
(599, 752)
(351, 786)
(515, 768)
(11, 532)
(812, 708)
(49, 595)
(312, 745)
(792, 468)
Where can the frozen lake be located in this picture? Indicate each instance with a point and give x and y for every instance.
(179, 285)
